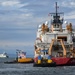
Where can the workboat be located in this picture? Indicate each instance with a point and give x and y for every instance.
(54, 45)
(3, 55)
(21, 58)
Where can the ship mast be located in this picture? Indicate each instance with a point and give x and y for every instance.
(56, 9)
(57, 20)
(56, 12)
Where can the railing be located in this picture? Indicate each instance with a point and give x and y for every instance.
(47, 45)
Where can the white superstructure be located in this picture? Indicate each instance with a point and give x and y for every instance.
(3, 55)
(55, 32)
(46, 32)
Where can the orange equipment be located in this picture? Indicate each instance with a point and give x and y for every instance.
(60, 40)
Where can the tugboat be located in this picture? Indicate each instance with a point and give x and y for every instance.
(21, 58)
(54, 44)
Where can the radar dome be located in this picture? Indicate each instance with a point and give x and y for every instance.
(66, 22)
(40, 26)
(46, 23)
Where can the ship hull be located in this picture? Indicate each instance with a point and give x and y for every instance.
(44, 63)
(57, 61)
(25, 60)
(64, 61)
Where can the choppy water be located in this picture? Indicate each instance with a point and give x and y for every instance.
(28, 69)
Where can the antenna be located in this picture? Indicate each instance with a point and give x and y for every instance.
(56, 10)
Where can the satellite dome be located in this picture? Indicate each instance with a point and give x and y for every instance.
(40, 26)
(46, 23)
(66, 22)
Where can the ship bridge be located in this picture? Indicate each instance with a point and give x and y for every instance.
(56, 20)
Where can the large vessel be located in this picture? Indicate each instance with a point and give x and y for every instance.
(3, 55)
(54, 45)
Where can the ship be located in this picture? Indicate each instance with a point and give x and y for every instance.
(20, 58)
(54, 45)
(3, 55)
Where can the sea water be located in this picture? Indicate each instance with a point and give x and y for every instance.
(28, 69)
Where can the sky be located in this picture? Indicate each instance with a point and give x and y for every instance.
(19, 20)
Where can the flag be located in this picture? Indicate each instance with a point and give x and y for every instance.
(49, 14)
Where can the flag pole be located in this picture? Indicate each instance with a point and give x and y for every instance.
(49, 19)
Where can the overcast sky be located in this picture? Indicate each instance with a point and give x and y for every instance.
(19, 20)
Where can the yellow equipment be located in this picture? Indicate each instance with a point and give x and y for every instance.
(49, 61)
(24, 60)
(50, 49)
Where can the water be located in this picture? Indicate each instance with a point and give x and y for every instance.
(28, 69)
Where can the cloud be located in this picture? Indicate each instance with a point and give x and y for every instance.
(12, 14)
(9, 3)
(14, 3)
(23, 16)
(70, 15)
(15, 44)
(11, 46)
(16, 17)
(68, 4)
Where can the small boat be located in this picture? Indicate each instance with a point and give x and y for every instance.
(21, 58)
(3, 55)
(54, 45)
